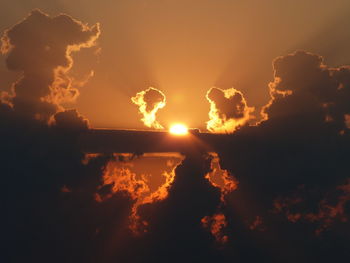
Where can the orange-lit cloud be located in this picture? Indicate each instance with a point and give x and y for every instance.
(304, 85)
(123, 179)
(145, 179)
(274, 95)
(41, 48)
(284, 205)
(347, 120)
(221, 178)
(257, 224)
(269, 160)
(216, 224)
(228, 110)
(150, 101)
(328, 213)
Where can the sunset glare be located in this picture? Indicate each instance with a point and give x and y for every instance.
(178, 129)
(175, 131)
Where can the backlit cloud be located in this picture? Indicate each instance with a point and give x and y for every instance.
(150, 101)
(63, 205)
(228, 110)
(40, 47)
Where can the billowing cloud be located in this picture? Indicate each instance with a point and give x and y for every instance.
(150, 101)
(70, 120)
(41, 165)
(40, 47)
(304, 85)
(291, 165)
(220, 178)
(126, 173)
(216, 225)
(228, 110)
(331, 209)
(61, 205)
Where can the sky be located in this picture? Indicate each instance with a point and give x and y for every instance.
(184, 48)
(265, 179)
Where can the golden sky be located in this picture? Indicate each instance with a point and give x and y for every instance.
(278, 191)
(184, 48)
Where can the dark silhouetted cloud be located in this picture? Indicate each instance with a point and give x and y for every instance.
(41, 47)
(290, 166)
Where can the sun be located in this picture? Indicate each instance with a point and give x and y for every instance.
(178, 129)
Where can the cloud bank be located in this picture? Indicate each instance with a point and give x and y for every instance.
(283, 189)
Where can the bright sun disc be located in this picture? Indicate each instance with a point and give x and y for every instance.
(178, 129)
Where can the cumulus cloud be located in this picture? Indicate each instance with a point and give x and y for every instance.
(228, 110)
(129, 174)
(331, 209)
(177, 218)
(289, 164)
(41, 165)
(149, 102)
(40, 47)
(303, 85)
(221, 178)
(216, 225)
(70, 120)
(61, 205)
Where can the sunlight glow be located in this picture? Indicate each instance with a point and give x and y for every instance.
(178, 129)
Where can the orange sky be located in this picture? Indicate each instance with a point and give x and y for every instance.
(185, 47)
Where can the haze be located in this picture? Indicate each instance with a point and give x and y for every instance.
(185, 47)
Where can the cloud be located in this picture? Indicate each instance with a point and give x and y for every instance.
(220, 178)
(69, 120)
(304, 85)
(289, 164)
(40, 47)
(150, 101)
(61, 205)
(177, 218)
(216, 224)
(228, 110)
(41, 164)
(126, 173)
(331, 209)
